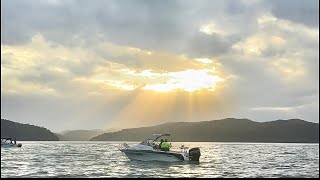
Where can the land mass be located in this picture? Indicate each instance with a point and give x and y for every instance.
(225, 130)
(81, 135)
(26, 132)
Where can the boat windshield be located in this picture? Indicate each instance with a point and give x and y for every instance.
(153, 138)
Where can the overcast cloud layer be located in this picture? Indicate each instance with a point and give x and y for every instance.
(81, 64)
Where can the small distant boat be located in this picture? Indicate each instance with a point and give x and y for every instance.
(9, 142)
(148, 150)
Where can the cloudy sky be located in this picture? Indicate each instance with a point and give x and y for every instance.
(79, 64)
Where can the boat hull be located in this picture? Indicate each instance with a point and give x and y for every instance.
(11, 145)
(155, 156)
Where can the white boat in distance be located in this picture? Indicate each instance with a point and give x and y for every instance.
(148, 150)
(9, 142)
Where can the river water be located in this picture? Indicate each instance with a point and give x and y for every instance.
(103, 159)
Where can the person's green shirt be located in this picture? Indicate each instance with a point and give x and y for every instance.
(165, 146)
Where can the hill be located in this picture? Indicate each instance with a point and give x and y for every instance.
(60, 137)
(80, 135)
(26, 132)
(225, 130)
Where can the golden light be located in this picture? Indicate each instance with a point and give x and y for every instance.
(204, 60)
(120, 85)
(290, 69)
(161, 87)
(189, 80)
(145, 73)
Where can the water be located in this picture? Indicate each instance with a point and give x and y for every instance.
(102, 159)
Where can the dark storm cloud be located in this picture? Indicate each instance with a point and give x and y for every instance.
(305, 12)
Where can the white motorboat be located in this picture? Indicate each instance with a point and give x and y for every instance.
(9, 142)
(148, 150)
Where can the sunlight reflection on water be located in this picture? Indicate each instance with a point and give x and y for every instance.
(102, 159)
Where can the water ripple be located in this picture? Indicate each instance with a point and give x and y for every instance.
(102, 159)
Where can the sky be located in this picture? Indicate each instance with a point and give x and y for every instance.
(80, 64)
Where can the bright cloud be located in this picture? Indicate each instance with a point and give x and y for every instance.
(210, 28)
(204, 60)
(188, 80)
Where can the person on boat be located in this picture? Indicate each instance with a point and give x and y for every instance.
(168, 143)
(161, 141)
(165, 146)
(15, 141)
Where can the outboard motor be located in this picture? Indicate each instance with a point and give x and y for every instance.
(194, 154)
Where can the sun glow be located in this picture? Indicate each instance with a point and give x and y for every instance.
(204, 60)
(120, 85)
(188, 80)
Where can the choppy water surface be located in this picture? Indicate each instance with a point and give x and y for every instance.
(102, 159)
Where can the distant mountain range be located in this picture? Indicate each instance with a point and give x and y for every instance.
(26, 132)
(225, 130)
(81, 135)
